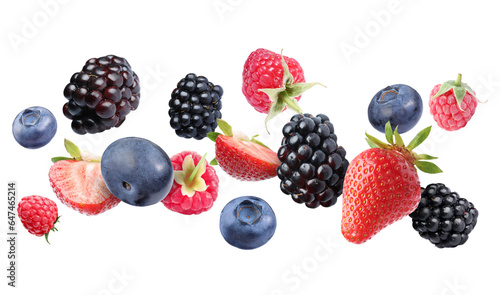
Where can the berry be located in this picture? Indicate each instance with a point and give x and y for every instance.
(312, 164)
(195, 106)
(38, 215)
(101, 95)
(399, 104)
(195, 186)
(137, 171)
(272, 81)
(452, 104)
(78, 182)
(247, 222)
(382, 186)
(34, 127)
(443, 217)
(241, 157)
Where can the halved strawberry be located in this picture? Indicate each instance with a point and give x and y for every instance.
(78, 182)
(241, 157)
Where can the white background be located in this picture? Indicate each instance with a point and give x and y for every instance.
(151, 250)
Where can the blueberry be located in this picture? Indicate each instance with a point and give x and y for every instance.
(137, 171)
(247, 222)
(400, 104)
(34, 127)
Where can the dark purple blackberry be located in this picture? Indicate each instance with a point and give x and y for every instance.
(312, 166)
(101, 95)
(195, 107)
(443, 218)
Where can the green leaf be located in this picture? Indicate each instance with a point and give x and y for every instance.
(377, 142)
(388, 133)
(213, 135)
(419, 138)
(471, 92)
(73, 150)
(425, 157)
(290, 102)
(57, 159)
(399, 139)
(298, 89)
(445, 87)
(214, 162)
(287, 76)
(276, 108)
(273, 93)
(225, 127)
(459, 93)
(371, 143)
(428, 167)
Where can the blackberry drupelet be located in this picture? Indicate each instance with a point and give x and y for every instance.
(101, 95)
(443, 218)
(195, 106)
(312, 166)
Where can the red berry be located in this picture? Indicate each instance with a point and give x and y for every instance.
(37, 214)
(380, 188)
(78, 183)
(263, 69)
(445, 107)
(192, 194)
(381, 185)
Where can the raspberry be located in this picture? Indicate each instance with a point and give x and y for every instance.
(443, 217)
(263, 69)
(195, 107)
(38, 215)
(195, 186)
(101, 95)
(312, 166)
(445, 107)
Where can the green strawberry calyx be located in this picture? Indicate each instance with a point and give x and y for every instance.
(76, 154)
(396, 143)
(285, 95)
(228, 131)
(189, 178)
(459, 89)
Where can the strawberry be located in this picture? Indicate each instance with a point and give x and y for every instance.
(272, 81)
(241, 157)
(195, 186)
(78, 182)
(452, 104)
(381, 185)
(38, 215)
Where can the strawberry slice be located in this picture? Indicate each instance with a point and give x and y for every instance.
(78, 182)
(241, 157)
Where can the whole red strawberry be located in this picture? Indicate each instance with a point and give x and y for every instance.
(241, 157)
(38, 215)
(78, 182)
(195, 186)
(381, 185)
(452, 104)
(272, 81)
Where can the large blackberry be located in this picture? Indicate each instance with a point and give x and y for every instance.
(312, 166)
(101, 95)
(195, 107)
(443, 218)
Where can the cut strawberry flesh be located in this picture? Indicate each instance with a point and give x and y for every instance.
(249, 149)
(80, 181)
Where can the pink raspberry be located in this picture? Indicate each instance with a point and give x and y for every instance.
(38, 215)
(195, 186)
(444, 104)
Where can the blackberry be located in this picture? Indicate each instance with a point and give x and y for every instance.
(101, 95)
(312, 166)
(195, 106)
(443, 218)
